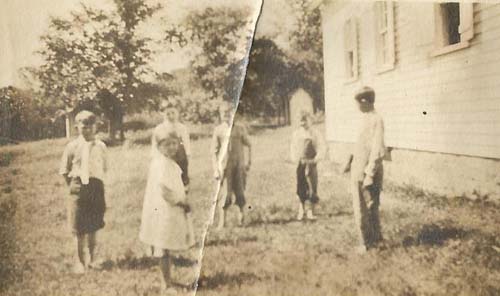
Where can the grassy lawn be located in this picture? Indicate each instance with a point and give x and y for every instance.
(433, 246)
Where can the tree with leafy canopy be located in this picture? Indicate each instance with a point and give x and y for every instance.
(97, 60)
(219, 39)
(269, 81)
(306, 42)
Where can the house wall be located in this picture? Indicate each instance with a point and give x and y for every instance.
(458, 91)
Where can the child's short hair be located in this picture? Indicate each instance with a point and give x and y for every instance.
(166, 104)
(85, 117)
(224, 106)
(167, 136)
(365, 94)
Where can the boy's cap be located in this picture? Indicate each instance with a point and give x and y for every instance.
(85, 117)
(365, 95)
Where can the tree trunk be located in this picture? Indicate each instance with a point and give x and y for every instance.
(120, 127)
(111, 129)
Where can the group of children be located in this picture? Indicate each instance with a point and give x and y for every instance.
(166, 221)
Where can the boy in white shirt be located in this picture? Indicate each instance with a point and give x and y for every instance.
(83, 166)
(367, 171)
(306, 150)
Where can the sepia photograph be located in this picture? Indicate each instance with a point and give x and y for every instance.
(255, 147)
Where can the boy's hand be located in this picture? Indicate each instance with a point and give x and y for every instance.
(247, 167)
(186, 189)
(307, 161)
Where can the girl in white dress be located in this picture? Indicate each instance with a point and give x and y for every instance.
(165, 224)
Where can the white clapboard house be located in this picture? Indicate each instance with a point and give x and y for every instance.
(435, 67)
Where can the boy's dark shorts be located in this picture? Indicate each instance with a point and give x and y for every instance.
(86, 207)
(235, 177)
(307, 183)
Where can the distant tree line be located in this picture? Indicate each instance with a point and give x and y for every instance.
(100, 60)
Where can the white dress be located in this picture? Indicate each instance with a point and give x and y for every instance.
(165, 225)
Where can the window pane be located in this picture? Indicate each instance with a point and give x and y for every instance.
(451, 21)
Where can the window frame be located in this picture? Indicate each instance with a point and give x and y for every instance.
(351, 45)
(465, 28)
(384, 26)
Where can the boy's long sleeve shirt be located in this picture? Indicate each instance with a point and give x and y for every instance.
(369, 150)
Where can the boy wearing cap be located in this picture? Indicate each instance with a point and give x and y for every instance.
(306, 150)
(367, 171)
(228, 159)
(83, 166)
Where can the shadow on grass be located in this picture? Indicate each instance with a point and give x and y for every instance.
(145, 263)
(277, 221)
(231, 242)
(435, 235)
(222, 279)
(8, 272)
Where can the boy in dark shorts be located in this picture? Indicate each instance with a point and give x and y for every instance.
(83, 166)
(306, 150)
(228, 156)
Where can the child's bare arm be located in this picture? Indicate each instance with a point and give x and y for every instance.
(66, 163)
(246, 141)
(214, 150)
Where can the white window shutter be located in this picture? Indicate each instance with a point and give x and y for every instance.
(466, 27)
(390, 32)
(354, 40)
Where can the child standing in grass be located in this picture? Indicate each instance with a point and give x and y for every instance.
(367, 171)
(172, 122)
(228, 159)
(83, 167)
(165, 225)
(307, 149)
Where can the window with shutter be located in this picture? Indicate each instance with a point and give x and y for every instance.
(454, 26)
(384, 11)
(351, 50)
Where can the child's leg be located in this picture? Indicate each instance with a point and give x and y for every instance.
(239, 192)
(165, 268)
(360, 212)
(301, 190)
(79, 245)
(221, 206)
(92, 243)
(312, 183)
